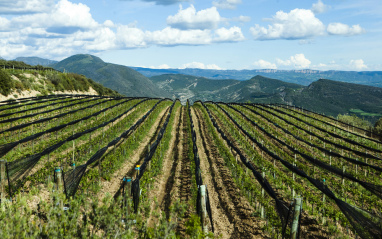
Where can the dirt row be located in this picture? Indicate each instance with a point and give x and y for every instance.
(309, 225)
(238, 211)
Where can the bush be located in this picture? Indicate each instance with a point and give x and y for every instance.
(378, 127)
(6, 83)
(355, 121)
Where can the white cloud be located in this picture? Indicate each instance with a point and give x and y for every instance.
(162, 2)
(319, 7)
(69, 28)
(242, 19)
(345, 30)
(25, 6)
(297, 24)
(171, 36)
(189, 18)
(264, 64)
(297, 61)
(228, 35)
(226, 4)
(357, 65)
(163, 66)
(63, 15)
(200, 65)
(130, 37)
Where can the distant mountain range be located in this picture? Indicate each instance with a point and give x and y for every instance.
(324, 96)
(34, 61)
(116, 77)
(305, 88)
(302, 77)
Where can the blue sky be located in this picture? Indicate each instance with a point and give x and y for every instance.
(209, 34)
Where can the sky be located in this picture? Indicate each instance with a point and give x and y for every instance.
(206, 34)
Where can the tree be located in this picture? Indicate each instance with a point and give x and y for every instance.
(378, 127)
(6, 83)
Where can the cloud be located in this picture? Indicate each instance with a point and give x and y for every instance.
(228, 35)
(297, 24)
(357, 64)
(345, 30)
(297, 61)
(241, 19)
(226, 4)
(68, 28)
(190, 19)
(63, 14)
(200, 65)
(319, 7)
(16, 7)
(264, 64)
(162, 2)
(172, 36)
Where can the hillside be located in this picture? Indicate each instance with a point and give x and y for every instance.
(259, 89)
(302, 77)
(334, 97)
(27, 83)
(121, 78)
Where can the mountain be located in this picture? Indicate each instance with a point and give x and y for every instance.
(19, 80)
(334, 97)
(302, 77)
(195, 88)
(323, 96)
(34, 61)
(121, 78)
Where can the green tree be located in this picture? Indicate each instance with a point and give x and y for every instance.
(6, 83)
(378, 127)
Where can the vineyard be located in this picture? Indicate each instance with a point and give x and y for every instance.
(126, 167)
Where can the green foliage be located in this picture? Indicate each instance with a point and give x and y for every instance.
(354, 120)
(378, 127)
(6, 83)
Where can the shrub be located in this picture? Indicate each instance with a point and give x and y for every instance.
(378, 127)
(6, 83)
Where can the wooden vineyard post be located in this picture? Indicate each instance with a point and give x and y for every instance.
(330, 158)
(127, 195)
(73, 163)
(323, 200)
(262, 195)
(137, 170)
(2, 179)
(296, 217)
(58, 173)
(203, 205)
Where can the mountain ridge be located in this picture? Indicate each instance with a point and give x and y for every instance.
(117, 77)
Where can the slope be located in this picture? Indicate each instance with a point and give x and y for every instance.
(259, 89)
(334, 97)
(124, 79)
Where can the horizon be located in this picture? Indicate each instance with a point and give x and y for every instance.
(317, 35)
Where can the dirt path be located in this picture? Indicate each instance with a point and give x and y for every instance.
(236, 207)
(221, 221)
(160, 189)
(111, 187)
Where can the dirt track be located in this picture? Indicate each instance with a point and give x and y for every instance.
(236, 208)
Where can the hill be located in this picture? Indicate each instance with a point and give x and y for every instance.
(17, 83)
(259, 89)
(122, 78)
(302, 77)
(34, 61)
(323, 96)
(334, 97)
